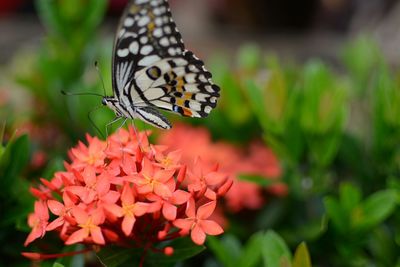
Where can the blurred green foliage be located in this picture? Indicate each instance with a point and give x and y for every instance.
(266, 249)
(15, 199)
(337, 136)
(65, 62)
(336, 133)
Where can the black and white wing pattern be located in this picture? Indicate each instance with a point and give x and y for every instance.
(152, 69)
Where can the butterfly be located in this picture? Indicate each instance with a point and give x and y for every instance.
(152, 70)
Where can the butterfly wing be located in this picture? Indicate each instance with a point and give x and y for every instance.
(145, 28)
(180, 85)
(152, 68)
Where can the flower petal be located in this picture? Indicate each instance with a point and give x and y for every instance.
(198, 236)
(129, 165)
(147, 167)
(103, 185)
(214, 178)
(98, 216)
(55, 224)
(162, 190)
(80, 215)
(114, 209)
(77, 237)
(111, 197)
(97, 235)
(127, 224)
(140, 208)
(145, 189)
(211, 227)
(42, 211)
(191, 208)
(211, 195)
(33, 235)
(127, 195)
(184, 224)
(206, 210)
(169, 211)
(89, 175)
(55, 207)
(179, 197)
(163, 176)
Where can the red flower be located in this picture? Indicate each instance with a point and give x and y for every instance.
(89, 225)
(169, 161)
(38, 221)
(206, 182)
(93, 155)
(256, 160)
(61, 210)
(123, 191)
(129, 210)
(153, 180)
(168, 206)
(197, 223)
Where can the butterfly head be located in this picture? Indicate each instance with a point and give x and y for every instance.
(113, 104)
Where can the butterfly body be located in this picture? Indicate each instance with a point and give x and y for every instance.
(152, 70)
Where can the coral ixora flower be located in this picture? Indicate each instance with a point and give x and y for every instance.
(256, 159)
(113, 190)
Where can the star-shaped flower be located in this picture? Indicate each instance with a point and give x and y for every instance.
(38, 221)
(197, 223)
(154, 180)
(89, 224)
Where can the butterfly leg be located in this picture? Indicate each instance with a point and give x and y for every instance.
(111, 123)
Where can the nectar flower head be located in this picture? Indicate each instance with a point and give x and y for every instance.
(256, 159)
(113, 190)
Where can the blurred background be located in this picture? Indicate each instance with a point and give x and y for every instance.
(309, 119)
(304, 29)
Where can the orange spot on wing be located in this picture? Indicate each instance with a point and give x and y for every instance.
(187, 112)
(180, 82)
(187, 96)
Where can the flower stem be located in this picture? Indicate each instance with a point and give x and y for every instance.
(38, 256)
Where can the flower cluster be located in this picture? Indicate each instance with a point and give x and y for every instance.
(255, 160)
(127, 192)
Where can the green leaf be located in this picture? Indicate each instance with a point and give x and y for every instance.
(14, 159)
(95, 15)
(350, 196)
(114, 256)
(50, 16)
(184, 249)
(256, 179)
(324, 100)
(251, 253)
(256, 101)
(276, 99)
(275, 251)
(57, 264)
(249, 57)
(360, 57)
(302, 256)
(336, 214)
(376, 208)
(234, 97)
(222, 250)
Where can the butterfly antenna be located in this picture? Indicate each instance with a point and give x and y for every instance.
(81, 93)
(96, 65)
(92, 121)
